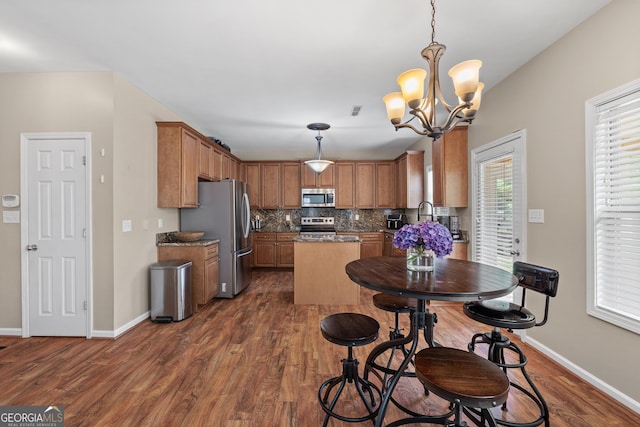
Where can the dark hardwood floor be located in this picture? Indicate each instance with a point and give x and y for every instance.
(256, 360)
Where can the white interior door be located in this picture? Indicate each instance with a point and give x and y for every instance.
(54, 234)
(498, 202)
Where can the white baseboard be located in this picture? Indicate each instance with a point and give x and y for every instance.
(121, 330)
(11, 332)
(627, 401)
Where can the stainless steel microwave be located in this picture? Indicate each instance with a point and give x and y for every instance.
(318, 197)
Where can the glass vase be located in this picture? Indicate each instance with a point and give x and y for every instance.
(420, 259)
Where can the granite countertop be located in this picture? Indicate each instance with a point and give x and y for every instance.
(341, 238)
(168, 239)
(201, 242)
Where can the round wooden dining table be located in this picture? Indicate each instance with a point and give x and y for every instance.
(452, 280)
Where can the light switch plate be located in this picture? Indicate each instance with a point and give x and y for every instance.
(11, 217)
(126, 225)
(536, 215)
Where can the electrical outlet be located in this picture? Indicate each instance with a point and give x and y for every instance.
(160, 223)
(287, 218)
(357, 217)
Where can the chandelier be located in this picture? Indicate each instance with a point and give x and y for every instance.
(318, 165)
(468, 89)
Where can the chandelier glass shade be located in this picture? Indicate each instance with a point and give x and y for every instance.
(468, 89)
(317, 164)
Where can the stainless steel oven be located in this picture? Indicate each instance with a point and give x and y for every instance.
(313, 226)
(318, 197)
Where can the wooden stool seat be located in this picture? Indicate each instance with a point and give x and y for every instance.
(462, 376)
(349, 329)
(394, 303)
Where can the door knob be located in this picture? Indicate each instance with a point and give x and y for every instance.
(32, 247)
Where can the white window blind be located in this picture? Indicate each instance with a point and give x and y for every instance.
(614, 222)
(494, 212)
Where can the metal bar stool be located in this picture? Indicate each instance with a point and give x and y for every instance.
(462, 378)
(502, 314)
(349, 330)
(396, 305)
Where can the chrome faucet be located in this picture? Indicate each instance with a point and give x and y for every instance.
(421, 205)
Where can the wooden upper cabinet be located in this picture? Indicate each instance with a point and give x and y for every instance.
(310, 179)
(450, 170)
(385, 184)
(216, 165)
(365, 180)
(178, 166)
(184, 156)
(270, 185)
(205, 155)
(345, 185)
(290, 185)
(410, 179)
(252, 178)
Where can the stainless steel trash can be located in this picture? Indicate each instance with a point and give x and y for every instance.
(170, 293)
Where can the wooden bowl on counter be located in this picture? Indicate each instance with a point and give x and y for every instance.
(188, 236)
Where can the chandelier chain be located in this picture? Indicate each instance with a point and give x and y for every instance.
(433, 21)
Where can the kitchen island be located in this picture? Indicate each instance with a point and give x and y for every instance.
(319, 275)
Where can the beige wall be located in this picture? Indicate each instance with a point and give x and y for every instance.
(134, 177)
(54, 102)
(547, 98)
(121, 120)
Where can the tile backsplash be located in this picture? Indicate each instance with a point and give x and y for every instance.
(345, 219)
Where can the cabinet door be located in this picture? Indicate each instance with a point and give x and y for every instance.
(205, 160)
(264, 254)
(284, 255)
(410, 175)
(385, 183)
(401, 182)
(290, 185)
(233, 168)
(216, 164)
(253, 179)
(211, 278)
(372, 244)
(270, 185)
(365, 178)
(327, 178)
(450, 170)
(345, 173)
(190, 149)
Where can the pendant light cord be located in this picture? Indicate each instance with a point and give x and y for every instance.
(433, 21)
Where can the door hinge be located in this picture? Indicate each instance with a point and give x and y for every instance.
(84, 160)
(84, 305)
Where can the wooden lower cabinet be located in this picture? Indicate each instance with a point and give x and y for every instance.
(459, 251)
(273, 249)
(284, 249)
(205, 269)
(372, 244)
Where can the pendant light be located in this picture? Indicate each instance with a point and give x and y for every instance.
(318, 165)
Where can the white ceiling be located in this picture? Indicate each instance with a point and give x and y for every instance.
(254, 73)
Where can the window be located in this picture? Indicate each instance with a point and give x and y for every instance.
(613, 206)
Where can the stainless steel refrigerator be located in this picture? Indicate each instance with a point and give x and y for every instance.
(224, 214)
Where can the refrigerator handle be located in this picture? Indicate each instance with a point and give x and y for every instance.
(246, 217)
